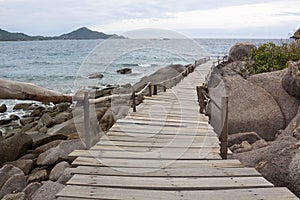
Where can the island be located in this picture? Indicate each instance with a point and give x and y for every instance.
(79, 34)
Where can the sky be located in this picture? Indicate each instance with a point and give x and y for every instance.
(193, 18)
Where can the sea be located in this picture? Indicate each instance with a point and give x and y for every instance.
(65, 65)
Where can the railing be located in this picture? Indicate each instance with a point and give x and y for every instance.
(215, 64)
(204, 99)
(152, 90)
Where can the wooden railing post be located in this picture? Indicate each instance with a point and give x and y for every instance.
(86, 117)
(201, 99)
(133, 101)
(224, 133)
(154, 89)
(150, 91)
(165, 88)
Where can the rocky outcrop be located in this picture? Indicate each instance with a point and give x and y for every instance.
(14, 147)
(252, 109)
(291, 79)
(272, 83)
(240, 51)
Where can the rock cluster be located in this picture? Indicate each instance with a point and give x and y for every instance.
(264, 118)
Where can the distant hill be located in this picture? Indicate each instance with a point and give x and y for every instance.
(79, 34)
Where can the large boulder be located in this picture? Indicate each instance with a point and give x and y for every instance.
(251, 108)
(240, 51)
(291, 79)
(272, 83)
(24, 164)
(14, 147)
(12, 179)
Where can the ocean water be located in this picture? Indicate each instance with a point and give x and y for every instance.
(64, 65)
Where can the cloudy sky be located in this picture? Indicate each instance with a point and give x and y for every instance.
(194, 18)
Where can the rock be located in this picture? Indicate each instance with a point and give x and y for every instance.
(252, 109)
(47, 120)
(27, 127)
(62, 117)
(48, 191)
(24, 165)
(65, 177)
(296, 133)
(17, 196)
(272, 83)
(107, 121)
(14, 147)
(52, 156)
(233, 69)
(95, 76)
(37, 112)
(46, 147)
(31, 189)
(40, 139)
(69, 146)
(58, 170)
(22, 106)
(12, 179)
(37, 176)
(3, 108)
(62, 107)
(296, 35)
(26, 120)
(124, 71)
(276, 156)
(291, 79)
(245, 146)
(294, 173)
(44, 130)
(238, 138)
(29, 156)
(240, 51)
(5, 121)
(14, 117)
(259, 144)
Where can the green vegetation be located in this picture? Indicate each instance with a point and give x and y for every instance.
(270, 57)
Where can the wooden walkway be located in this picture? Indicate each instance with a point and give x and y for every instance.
(166, 150)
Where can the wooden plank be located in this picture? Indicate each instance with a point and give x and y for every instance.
(89, 192)
(166, 155)
(156, 164)
(176, 144)
(159, 138)
(174, 183)
(175, 172)
(147, 149)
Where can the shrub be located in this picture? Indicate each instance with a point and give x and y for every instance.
(270, 57)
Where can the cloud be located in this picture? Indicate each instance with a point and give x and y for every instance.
(58, 16)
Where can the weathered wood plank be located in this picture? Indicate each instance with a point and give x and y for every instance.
(174, 183)
(145, 155)
(89, 192)
(172, 172)
(157, 164)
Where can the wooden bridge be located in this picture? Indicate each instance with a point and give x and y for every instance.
(165, 150)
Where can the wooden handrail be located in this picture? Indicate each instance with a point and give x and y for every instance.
(203, 100)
